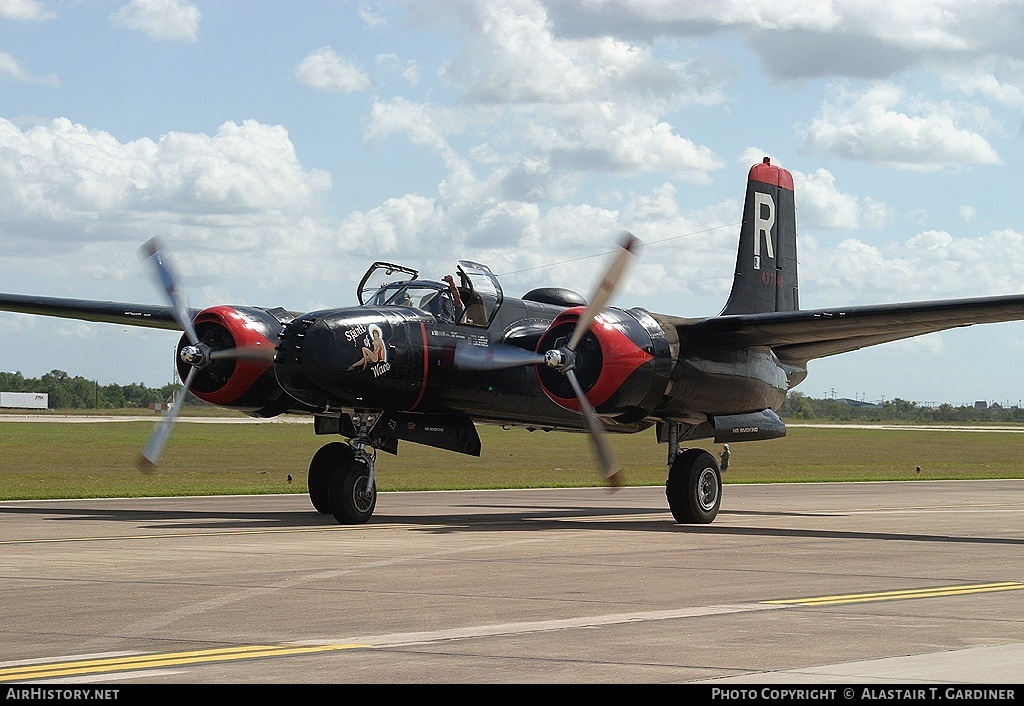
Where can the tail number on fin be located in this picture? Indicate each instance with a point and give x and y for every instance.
(763, 224)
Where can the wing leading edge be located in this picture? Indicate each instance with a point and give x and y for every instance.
(799, 336)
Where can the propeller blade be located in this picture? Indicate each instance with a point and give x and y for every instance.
(604, 454)
(155, 447)
(151, 250)
(609, 283)
(497, 356)
(257, 352)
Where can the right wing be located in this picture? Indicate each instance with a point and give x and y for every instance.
(799, 336)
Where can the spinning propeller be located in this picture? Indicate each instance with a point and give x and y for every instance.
(197, 355)
(563, 358)
(179, 308)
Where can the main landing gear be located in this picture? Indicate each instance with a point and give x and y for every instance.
(341, 479)
(694, 486)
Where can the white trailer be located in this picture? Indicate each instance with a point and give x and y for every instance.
(25, 400)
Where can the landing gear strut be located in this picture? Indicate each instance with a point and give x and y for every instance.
(341, 479)
(694, 486)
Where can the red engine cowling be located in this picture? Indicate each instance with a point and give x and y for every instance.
(246, 384)
(615, 363)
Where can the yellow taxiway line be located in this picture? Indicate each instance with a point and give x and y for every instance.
(164, 659)
(121, 663)
(899, 594)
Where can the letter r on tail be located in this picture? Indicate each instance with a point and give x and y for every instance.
(763, 224)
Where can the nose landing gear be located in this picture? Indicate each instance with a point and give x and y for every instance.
(341, 479)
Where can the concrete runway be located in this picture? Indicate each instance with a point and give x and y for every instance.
(870, 583)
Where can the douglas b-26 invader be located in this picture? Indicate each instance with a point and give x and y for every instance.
(424, 361)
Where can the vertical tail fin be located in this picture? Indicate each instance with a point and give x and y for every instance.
(765, 278)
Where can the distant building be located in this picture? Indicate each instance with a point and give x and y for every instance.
(859, 403)
(981, 404)
(25, 400)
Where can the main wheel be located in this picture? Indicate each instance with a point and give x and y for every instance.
(325, 464)
(694, 488)
(352, 495)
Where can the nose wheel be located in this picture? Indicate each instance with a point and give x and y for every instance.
(341, 481)
(325, 464)
(352, 493)
(340, 484)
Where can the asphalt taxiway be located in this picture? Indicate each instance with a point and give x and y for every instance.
(885, 583)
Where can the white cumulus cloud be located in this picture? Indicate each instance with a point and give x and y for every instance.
(823, 205)
(162, 20)
(871, 125)
(11, 68)
(66, 189)
(326, 70)
(25, 10)
(930, 265)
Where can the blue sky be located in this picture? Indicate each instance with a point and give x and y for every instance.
(278, 148)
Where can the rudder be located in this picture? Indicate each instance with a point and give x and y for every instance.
(765, 279)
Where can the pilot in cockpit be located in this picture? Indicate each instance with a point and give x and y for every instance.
(456, 297)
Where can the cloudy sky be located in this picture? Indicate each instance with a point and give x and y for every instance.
(278, 148)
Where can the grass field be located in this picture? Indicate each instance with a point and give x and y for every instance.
(97, 459)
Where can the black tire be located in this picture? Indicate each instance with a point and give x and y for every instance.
(325, 464)
(694, 488)
(350, 503)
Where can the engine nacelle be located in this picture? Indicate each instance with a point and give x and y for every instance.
(616, 363)
(242, 383)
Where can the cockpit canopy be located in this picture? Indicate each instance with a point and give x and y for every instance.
(431, 297)
(382, 274)
(387, 284)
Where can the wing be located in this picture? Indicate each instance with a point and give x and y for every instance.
(144, 315)
(799, 336)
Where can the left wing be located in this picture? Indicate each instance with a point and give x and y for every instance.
(799, 336)
(145, 315)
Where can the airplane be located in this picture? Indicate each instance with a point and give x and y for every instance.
(424, 361)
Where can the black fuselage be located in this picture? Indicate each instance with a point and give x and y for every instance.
(405, 359)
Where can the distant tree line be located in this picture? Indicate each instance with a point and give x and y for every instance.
(66, 392)
(801, 407)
